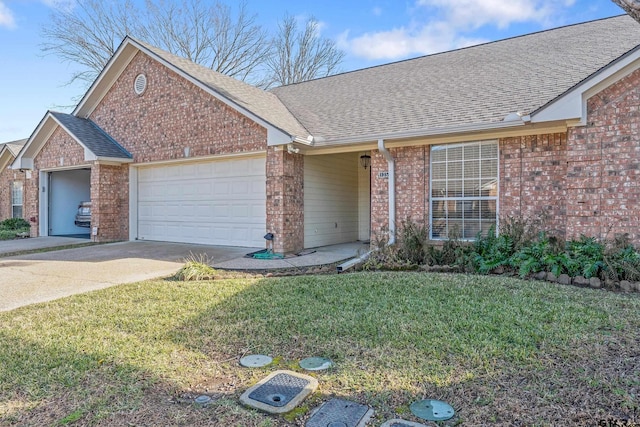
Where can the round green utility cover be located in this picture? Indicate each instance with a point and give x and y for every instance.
(316, 363)
(203, 399)
(255, 361)
(432, 410)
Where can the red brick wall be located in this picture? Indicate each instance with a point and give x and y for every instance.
(533, 171)
(7, 177)
(170, 115)
(412, 188)
(379, 197)
(603, 180)
(110, 196)
(285, 199)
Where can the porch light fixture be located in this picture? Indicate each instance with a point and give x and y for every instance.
(365, 161)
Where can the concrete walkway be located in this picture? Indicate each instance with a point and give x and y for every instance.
(45, 276)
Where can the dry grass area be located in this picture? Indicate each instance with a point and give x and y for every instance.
(500, 350)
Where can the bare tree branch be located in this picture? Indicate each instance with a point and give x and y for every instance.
(205, 32)
(301, 55)
(632, 7)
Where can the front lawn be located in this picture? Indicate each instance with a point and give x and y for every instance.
(501, 351)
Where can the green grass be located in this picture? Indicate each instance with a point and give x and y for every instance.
(499, 350)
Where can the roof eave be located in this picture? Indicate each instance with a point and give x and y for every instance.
(572, 105)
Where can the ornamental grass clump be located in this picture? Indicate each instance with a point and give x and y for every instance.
(196, 267)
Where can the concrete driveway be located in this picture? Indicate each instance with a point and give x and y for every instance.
(28, 279)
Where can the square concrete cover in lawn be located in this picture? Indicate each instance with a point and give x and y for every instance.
(279, 392)
(340, 412)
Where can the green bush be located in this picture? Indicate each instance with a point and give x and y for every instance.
(492, 251)
(585, 257)
(14, 224)
(413, 241)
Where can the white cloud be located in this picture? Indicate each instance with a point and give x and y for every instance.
(438, 25)
(501, 13)
(6, 17)
(404, 42)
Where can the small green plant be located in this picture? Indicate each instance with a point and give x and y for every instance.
(586, 257)
(492, 251)
(10, 228)
(621, 259)
(534, 257)
(196, 267)
(413, 239)
(14, 224)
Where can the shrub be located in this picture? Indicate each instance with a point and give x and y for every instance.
(621, 260)
(492, 251)
(413, 241)
(585, 257)
(196, 267)
(14, 224)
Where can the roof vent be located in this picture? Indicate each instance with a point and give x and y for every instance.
(140, 84)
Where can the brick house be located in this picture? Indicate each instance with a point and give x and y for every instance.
(11, 181)
(542, 124)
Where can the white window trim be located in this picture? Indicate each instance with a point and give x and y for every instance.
(13, 199)
(456, 199)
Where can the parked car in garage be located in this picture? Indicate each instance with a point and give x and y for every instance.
(83, 217)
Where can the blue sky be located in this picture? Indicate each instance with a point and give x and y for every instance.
(371, 32)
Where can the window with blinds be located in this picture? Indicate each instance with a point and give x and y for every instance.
(16, 199)
(464, 189)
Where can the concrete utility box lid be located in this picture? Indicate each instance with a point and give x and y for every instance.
(279, 392)
(432, 410)
(340, 413)
(315, 363)
(255, 361)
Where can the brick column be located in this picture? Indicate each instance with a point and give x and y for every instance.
(110, 202)
(285, 200)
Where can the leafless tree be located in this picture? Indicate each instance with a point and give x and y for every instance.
(301, 55)
(632, 7)
(208, 33)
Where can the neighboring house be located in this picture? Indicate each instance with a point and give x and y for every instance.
(11, 181)
(543, 124)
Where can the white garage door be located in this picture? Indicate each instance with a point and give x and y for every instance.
(215, 202)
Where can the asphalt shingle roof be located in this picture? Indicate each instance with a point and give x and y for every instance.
(14, 147)
(91, 136)
(263, 104)
(480, 84)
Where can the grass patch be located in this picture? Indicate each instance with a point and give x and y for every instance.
(499, 350)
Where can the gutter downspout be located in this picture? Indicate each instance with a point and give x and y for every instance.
(392, 190)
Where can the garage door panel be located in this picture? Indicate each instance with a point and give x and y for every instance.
(219, 202)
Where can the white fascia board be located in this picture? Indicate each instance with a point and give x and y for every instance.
(109, 74)
(573, 104)
(112, 160)
(24, 159)
(6, 158)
